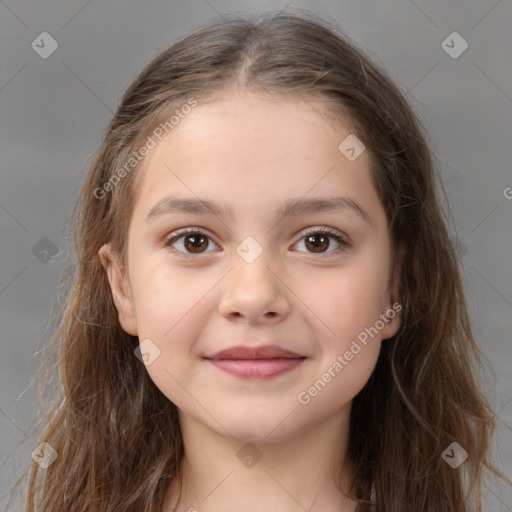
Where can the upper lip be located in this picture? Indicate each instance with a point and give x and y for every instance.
(261, 352)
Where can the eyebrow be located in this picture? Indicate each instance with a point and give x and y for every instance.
(293, 207)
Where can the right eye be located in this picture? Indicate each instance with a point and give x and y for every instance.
(194, 241)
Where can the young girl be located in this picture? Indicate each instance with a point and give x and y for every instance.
(266, 312)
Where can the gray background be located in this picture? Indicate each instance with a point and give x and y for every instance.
(54, 112)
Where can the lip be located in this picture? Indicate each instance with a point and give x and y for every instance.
(261, 362)
(261, 352)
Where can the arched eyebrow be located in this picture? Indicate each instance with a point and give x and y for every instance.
(293, 207)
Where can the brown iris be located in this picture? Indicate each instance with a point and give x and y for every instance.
(201, 242)
(319, 242)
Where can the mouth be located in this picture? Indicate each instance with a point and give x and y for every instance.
(262, 362)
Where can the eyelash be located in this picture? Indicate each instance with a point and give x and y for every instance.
(332, 233)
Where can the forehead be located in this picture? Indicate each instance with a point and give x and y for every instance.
(244, 148)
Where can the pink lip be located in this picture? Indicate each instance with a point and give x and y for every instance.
(261, 352)
(256, 362)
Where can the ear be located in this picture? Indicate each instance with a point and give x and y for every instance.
(393, 309)
(120, 288)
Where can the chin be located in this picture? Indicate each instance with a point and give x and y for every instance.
(256, 427)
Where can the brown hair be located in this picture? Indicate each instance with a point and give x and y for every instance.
(117, 436)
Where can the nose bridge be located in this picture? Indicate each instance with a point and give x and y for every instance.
(253, 289)
(251, 263)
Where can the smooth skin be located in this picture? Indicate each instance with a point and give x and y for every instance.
(197, 296)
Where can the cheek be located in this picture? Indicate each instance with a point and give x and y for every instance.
(338, 384)
(346, 318)
(347, 301)
(164, 296)
(171, 314)
(346, 310)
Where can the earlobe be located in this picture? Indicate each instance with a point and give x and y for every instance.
(393, 309)
(120, 289)
(393, 313)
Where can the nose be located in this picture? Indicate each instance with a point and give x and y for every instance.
(254, 292)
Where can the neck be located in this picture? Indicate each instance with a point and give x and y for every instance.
(310, 471)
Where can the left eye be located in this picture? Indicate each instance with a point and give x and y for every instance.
(317, 240)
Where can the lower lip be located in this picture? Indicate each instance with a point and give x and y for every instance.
(257, 368)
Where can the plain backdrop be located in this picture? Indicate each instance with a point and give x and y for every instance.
(56, 107)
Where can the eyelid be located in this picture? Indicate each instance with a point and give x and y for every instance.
(325, 229)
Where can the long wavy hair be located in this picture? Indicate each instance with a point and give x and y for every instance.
(117, 436)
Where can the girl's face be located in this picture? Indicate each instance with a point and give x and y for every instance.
(263, 181)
